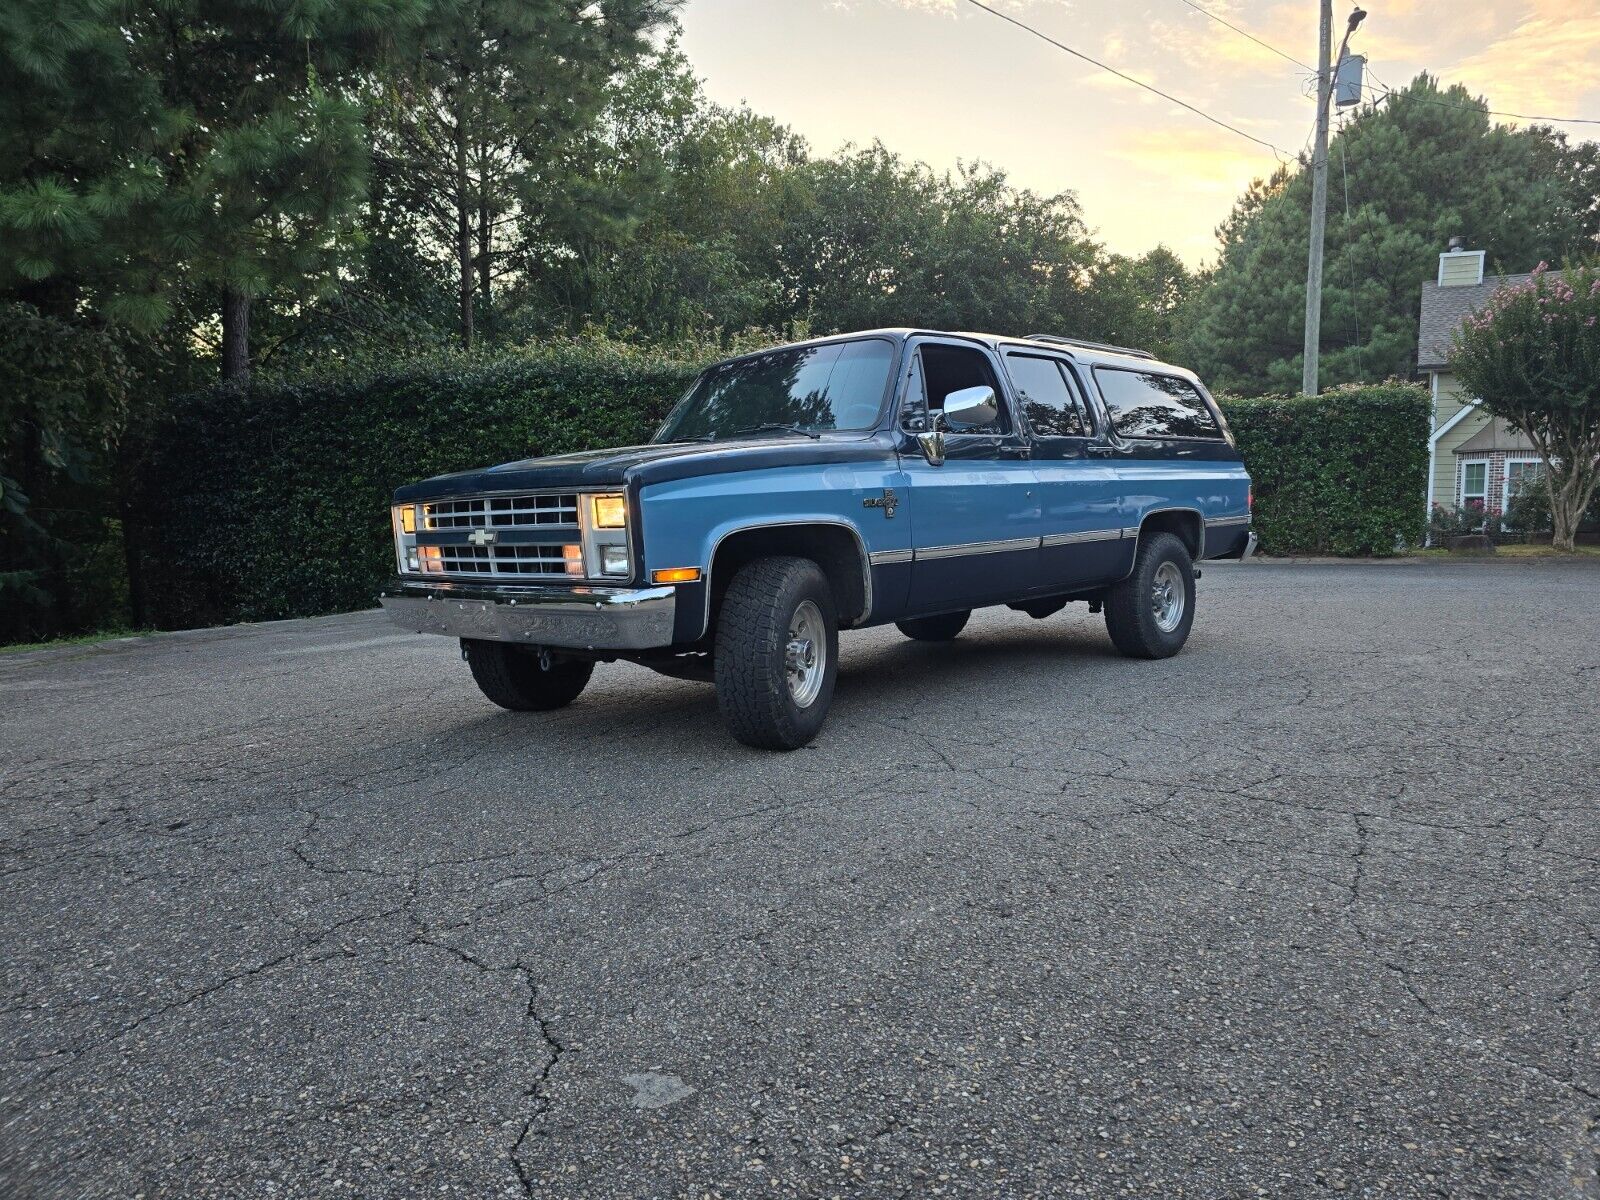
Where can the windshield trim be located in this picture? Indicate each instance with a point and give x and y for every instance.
(895, 345)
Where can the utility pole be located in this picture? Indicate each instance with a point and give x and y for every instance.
(1319, 205)
(1319, 192)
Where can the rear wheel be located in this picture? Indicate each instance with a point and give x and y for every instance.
(777, 653)
(1149, 613)
(524, 679)
(934, 629)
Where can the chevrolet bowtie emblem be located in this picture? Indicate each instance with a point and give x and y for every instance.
(888, 502)
(481, 537)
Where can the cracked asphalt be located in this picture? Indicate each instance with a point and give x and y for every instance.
(1312, 909)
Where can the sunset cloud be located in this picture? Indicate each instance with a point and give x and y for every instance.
(941, 81)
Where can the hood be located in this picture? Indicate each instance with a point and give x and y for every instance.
(617, 468)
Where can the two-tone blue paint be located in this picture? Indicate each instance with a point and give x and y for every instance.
(1002, 519)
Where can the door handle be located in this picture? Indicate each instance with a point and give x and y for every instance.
(1102, 451)
(1016, 451)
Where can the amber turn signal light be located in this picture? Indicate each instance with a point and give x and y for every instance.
(676, 575)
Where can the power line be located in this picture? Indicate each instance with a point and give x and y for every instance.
(1277, 152)
(1383, 89)
(1247, 34)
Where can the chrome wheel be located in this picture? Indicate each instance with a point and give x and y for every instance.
(806, 655)
(1167, 597)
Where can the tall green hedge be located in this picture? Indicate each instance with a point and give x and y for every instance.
(1341, 473)
(272, 500)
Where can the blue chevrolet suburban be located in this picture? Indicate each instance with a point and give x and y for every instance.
(897, 475)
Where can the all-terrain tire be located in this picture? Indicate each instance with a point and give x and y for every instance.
(752, 652)
(1132, 606)
(942, 628)
(513, 678)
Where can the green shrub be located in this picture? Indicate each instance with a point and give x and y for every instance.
(272, 500)
(1340, 473)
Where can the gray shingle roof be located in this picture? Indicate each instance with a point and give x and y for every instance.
(1443, 310)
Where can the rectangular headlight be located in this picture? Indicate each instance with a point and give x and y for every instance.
(610, 512)
(408, 518)
(613, 560)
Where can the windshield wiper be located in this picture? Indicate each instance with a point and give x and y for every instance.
(779, 427)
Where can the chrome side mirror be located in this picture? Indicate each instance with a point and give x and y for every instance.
(971, 406)
(932, 446)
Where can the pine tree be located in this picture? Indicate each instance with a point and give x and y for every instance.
(220, 146)
(476, 128)
(1422, 166)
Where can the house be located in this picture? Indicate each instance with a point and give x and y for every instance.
(1473, 461)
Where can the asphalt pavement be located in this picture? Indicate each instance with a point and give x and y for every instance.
(1312, 909)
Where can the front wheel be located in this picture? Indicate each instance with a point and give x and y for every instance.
(522, 679)
(777, 653)
(1149, 613)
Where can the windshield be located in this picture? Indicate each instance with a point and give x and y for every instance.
(836, 386)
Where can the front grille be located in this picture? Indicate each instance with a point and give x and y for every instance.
(502, 512)
(500, 561)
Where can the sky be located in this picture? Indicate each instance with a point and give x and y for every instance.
(943, 82)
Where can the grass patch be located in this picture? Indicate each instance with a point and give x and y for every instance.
(1511, 551)
(82, 639)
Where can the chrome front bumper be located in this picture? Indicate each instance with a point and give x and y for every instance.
(575, 618)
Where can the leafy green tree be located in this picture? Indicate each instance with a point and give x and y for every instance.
(874, 240)
(673, 215)
(481, 117)
(1422, 166)
(148, 148)
(1532, 357)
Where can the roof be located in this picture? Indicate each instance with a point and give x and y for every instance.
(1496, 435)
(1088, 353)
(1443, 311)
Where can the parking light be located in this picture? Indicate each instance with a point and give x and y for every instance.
(676, 575)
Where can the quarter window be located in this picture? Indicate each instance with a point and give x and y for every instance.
(1049, 399)
(1146, 405)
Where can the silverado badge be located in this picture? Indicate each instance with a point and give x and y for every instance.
(887, 502)
(481, 537)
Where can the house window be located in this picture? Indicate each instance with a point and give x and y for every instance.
(1475, 485)
(1521, 472)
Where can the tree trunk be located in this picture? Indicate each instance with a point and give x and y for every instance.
(235, 334)
(133, 566)
(463, 233)
(1569, 500)
(485, 276)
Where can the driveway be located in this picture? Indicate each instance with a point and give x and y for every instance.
(290, 910)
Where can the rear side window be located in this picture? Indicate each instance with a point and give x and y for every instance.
(1146, 405)
(1048, 397)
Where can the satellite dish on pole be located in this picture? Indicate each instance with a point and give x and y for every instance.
(1348, 80)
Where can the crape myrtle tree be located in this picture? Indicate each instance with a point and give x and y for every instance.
(1532, 357)
(482, 117)
(1421, 166)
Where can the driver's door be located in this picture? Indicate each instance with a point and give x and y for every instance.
(975, 518)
